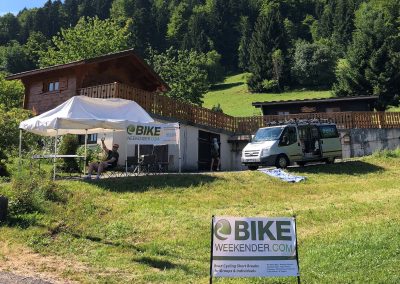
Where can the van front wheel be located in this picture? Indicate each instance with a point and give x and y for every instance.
(282, 162)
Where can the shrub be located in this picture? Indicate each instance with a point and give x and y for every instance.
(3, 167)
(69, 145)
(94, 153)
(387, 153)
(30, 193)
(270, 86)
(217, 108)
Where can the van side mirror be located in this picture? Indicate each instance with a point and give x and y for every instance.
(251, 138)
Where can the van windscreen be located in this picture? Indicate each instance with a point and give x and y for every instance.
(268, 134)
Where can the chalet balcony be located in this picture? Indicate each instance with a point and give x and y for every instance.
(170, 109)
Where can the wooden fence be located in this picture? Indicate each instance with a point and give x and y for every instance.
(184, 112)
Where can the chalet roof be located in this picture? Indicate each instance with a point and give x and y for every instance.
(328, 100)
(108, 57)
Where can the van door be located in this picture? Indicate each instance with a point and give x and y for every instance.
(288, 144)
(309, 139)
(331, 146)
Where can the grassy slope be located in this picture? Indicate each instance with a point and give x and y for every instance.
(156, 229)
(236, 100)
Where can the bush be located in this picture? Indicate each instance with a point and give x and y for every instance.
(271, 86)
(255, 84)
(69, 146)
(94, 153)
(217, 108)
(3, 169)
(387, 153)
(30, 193)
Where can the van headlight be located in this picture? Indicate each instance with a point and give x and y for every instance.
(264, 152)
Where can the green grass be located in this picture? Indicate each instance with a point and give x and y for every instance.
(156, 229)
(236, 100)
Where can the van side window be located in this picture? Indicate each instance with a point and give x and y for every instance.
(328, 131)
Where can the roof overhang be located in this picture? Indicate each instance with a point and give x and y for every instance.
(310, 101)
(108, 57)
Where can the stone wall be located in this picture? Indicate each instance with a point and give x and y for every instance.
(363, 142)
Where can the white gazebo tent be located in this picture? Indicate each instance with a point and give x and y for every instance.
(84, 115)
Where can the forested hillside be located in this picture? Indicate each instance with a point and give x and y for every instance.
(352, 46)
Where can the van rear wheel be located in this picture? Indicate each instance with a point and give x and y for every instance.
(282, 161)
(253, 168)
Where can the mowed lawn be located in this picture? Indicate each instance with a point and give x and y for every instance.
(235, 99)
(156, 229)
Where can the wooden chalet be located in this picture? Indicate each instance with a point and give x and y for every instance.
(102, 76)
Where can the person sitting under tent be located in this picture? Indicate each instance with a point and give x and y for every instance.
(109, 163)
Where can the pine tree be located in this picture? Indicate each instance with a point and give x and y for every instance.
(268, 36)
(372, 64)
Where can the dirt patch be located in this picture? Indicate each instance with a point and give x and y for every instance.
(23, 262)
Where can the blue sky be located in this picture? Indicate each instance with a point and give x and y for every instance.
(14, 6)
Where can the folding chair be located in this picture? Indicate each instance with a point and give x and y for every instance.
(148, 164)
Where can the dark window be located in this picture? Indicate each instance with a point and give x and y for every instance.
(328, 131)
(92, 139)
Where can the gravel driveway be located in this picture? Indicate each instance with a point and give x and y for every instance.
(9, 278)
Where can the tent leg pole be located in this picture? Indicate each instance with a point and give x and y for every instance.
(138, 156)
(84, 165)
(126, 155)
(55, 154)
(20, 151)
(179, 151)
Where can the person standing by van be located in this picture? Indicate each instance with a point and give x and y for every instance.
(215, 154)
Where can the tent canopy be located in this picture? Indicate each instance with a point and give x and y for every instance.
(81, 114)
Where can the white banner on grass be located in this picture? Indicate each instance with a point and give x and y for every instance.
(254, 247)
(153, 133)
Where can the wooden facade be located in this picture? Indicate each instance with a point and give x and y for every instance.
(48, 87)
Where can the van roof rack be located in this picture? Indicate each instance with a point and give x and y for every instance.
(300, 121)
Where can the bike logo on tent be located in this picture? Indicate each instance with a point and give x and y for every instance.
(143, 130)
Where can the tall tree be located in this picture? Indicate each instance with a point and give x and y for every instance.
(18, 59)
(243, 50)
(139, 12)
(9, 28)
(91, 37)
(372, 64)
(184, 73)
(268, 36)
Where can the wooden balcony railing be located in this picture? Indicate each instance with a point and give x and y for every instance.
(166, 107)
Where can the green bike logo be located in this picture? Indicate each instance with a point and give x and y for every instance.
(144, 130)
(222, 229)
(131, 129)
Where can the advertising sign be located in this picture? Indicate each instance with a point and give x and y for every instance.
(253, 247)
(153, 133)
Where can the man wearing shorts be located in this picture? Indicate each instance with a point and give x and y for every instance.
(109, 163)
